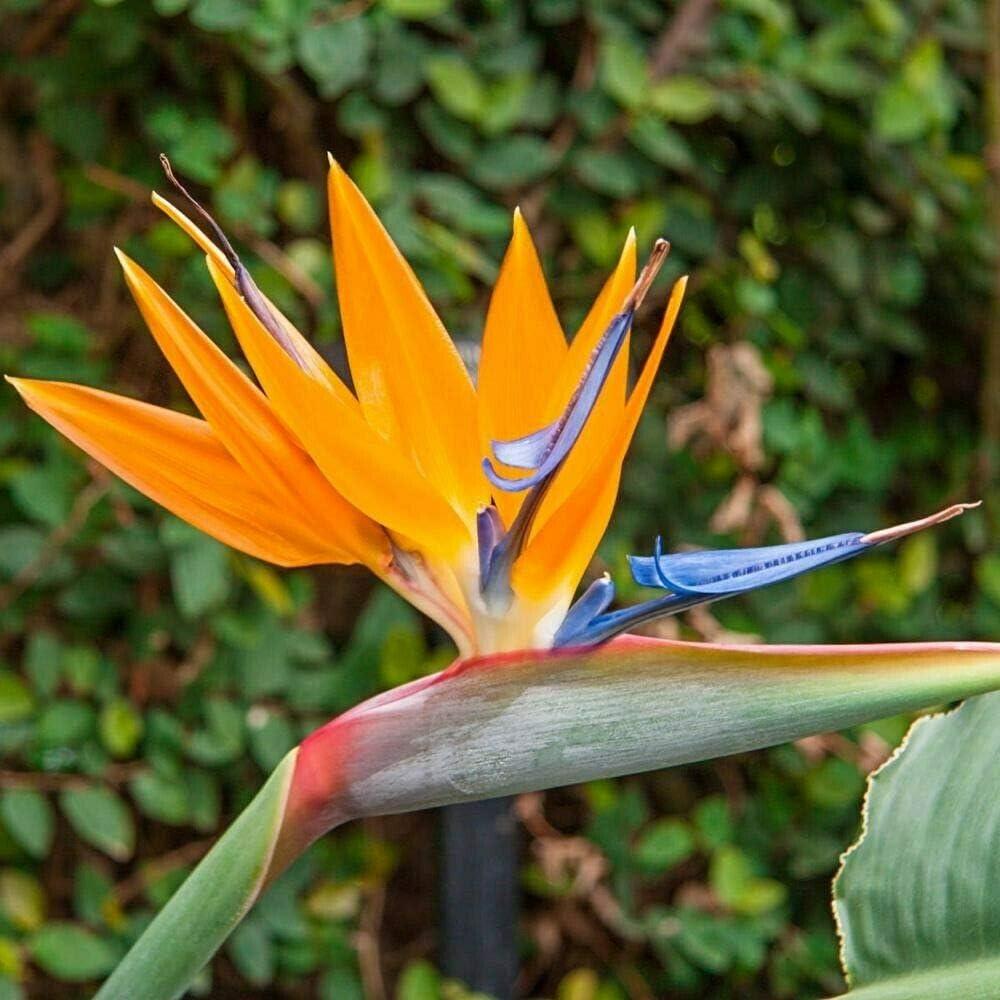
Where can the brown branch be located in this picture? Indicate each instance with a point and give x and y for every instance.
(13, 255)
(154, 869)
(46, 781)
(366, 941)
(111, 180)
(85, 501)
(50, 21)
(299, 279)
(684, 34)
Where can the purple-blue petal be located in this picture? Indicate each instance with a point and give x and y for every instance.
(595, 600)
(528, 451)
(548, 447)
(731, 571)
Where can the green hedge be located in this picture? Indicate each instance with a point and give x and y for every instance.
(819, 169)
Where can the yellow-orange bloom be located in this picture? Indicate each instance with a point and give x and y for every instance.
(297, 469)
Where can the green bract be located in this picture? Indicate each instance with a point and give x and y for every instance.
(916, 898)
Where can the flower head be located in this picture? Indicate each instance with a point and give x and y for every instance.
(481, 504)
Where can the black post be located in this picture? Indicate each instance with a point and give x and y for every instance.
(479, 896)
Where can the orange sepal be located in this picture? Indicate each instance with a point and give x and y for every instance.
(360, 464)
(523, 353)
(244, 422)
(180, 463)
(411, 383)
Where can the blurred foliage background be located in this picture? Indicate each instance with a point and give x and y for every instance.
(823, 172)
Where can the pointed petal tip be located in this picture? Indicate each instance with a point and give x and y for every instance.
(909, 527)
(28, 388)
(649, 272)
(128, 265)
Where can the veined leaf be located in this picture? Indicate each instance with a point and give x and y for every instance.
(206, 908)
(916, 899)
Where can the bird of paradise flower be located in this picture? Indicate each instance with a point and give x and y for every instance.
(483, 506)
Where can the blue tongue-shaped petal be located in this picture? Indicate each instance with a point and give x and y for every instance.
(526, 452)
(543, 451)
(730, 571)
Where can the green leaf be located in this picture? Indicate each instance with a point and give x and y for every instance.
(16, 701)
(335, 54)
(94, 896)
(683, 99)
(416, 10)
(623, 71)
(161, 798)
(29, 819)
(22, 899)
(199, 569)
(419, 980)
(456, 86)
(221, 15)
(606, 171)
(65, 723)
(512, 161)
(664, 844)
(208, 906)
(252, 952)
(271, 736)
(901, 114)
(102, 819)
(120, 726)
(341, 984)
(70, 952)
(913, 899)
(736, 885)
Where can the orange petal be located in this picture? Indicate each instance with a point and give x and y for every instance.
(524, 351)
(558, 553)
(180, 463)
(411, 383)
(605, 419)
(244, 422)
(368, 470)
(313, 361)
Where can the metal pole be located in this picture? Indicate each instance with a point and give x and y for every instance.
(479, 904)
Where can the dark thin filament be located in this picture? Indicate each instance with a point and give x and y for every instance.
(245, 284)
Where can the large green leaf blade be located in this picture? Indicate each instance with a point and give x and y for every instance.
(916, 899)
(206, 908)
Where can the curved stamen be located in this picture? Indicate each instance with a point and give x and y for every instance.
(245, 284)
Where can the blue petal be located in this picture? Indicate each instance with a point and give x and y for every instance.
(730, 571)
(595, 600)
(691, 578)
(545, 450)
(528, 451)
